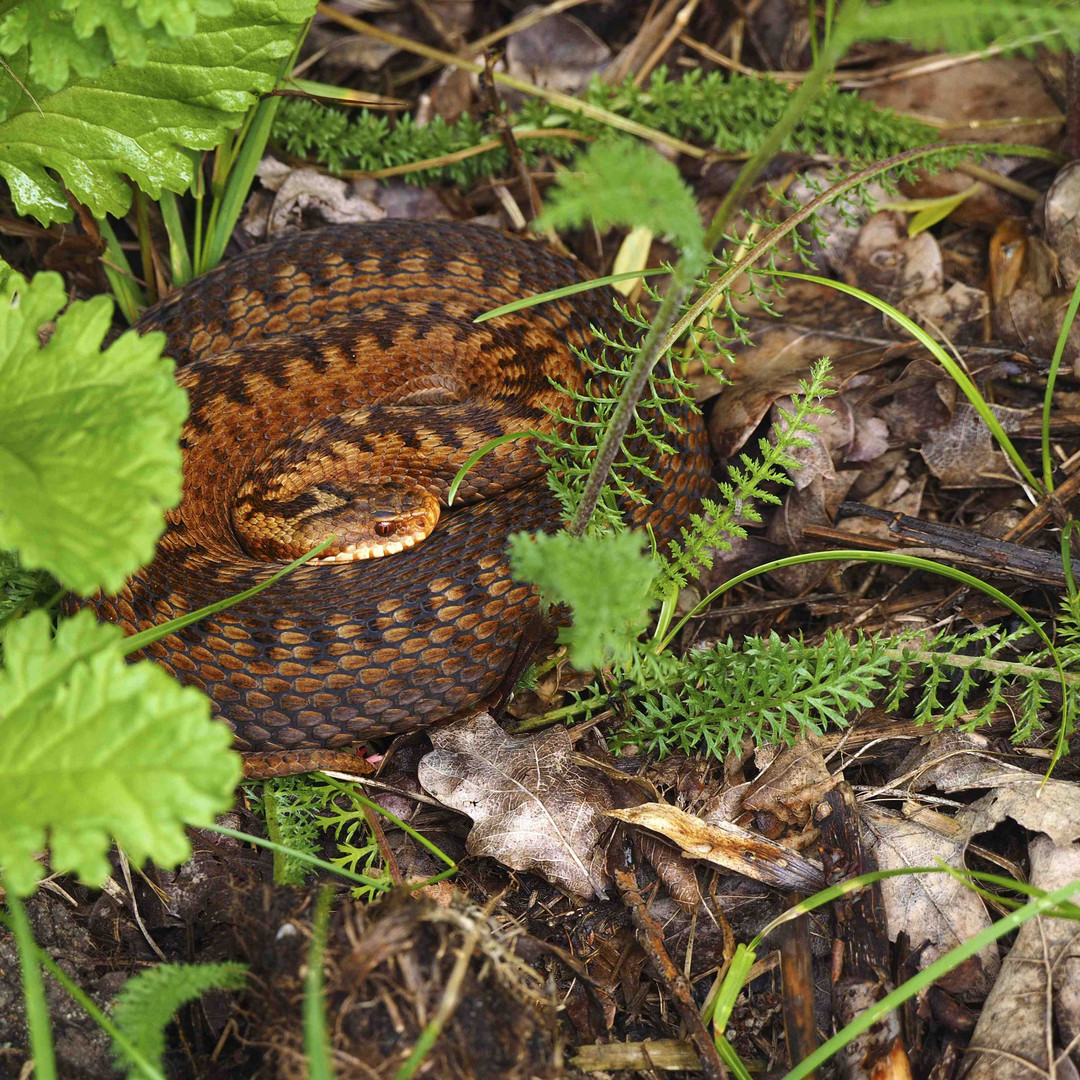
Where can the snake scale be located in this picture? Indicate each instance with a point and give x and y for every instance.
(336, 374)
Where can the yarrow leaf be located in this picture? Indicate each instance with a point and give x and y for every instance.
(147, 1002)
(93, 748)
(138, 121)
(622, 182)
(89, 454)
(605, 579)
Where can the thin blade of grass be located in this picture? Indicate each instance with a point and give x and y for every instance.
(316, 1032)
(130, 297)
(156, 633)
(566, 290)
(37, 1010)
(929, 975)
(179, 256)
(1051, 378)
(959, 376)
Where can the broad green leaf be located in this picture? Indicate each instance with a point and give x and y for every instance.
(606, 580)
(89, 453)
(85, 36)
(94, 749)
(139, 121)
(620, 182)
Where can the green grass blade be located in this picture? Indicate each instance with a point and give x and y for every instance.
(1051, 378)
(477, 454)
(316, 1032)
(566, 290)
(179, 256)
(960, 377)
(928, 976)
(103, 1021)
(226, 211)
(37, 1010)
(130, 297)
(156, 633)
(303, 856)
(404, 826)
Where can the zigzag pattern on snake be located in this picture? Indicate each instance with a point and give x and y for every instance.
(353, 348)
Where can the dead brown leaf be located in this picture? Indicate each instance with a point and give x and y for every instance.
(963, 454)
(934, 910)
(792, 784)
(1039, 984)
(557, 53)
(298, 192)
(999, 88)
(737, 850)
(532, 806)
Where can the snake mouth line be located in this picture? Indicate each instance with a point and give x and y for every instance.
(360, 552)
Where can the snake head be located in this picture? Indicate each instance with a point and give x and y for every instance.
(367, 521)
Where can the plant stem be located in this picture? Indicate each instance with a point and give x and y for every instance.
(37, 1011)
(645, 360)
(1051, 378)
(982, 663)
(316, 1033)
(657, 341)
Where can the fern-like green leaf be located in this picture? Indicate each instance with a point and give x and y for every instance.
(605, 580)
(148, 1002)
(623, 182)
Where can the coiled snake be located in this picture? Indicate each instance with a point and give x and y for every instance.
(337, 375)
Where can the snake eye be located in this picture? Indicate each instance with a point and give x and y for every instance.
(384, 528)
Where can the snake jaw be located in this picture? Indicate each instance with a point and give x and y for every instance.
(363, 552)
(366, 520)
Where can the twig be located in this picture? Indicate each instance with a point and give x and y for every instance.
(651, 937)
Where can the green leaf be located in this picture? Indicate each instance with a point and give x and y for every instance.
(621, 182)
(93, 748)
(66, 35)
(139, 121)
(606, 580)
(89, 454)
(966, 25)
(926, 213)
(148, 1001)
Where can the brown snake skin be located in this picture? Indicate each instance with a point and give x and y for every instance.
(361, 338)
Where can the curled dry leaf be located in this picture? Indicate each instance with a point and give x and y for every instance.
(736, 850)
(792, 784)
(936, 911)
(1051, 806)
(533, 807)
(300, 191)
(1038, 989)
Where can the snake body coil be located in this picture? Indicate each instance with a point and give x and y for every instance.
(348, 355)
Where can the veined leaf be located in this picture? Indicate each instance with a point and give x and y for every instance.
(74, 35)
(94, 749)
(139, 121)
(89, 454)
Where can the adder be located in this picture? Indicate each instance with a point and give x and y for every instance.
(337, 382)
